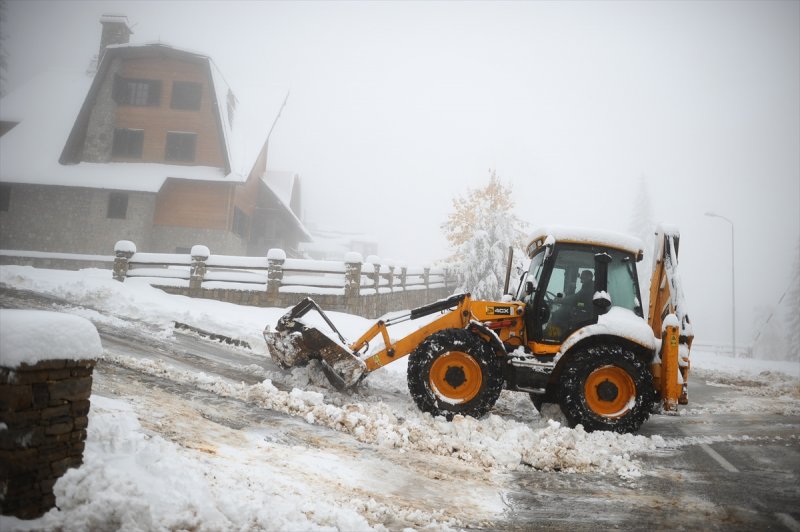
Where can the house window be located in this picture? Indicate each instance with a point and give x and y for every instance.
(180, 146)
(186, 95)
(117, 205)
(139, 92)
(5, 197)
(241, 222)
(128, 143)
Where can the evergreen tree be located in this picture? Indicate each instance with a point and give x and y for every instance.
(642, 223)
(480, 229)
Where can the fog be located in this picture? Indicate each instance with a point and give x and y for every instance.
(394, 108)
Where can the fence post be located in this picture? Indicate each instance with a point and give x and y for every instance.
(275, 260)
(197, 273)
(390, 276)
(427, 278)
(352, 281)
(375, 261)
(123, 251)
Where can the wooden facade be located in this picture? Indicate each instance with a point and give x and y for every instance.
(158, 120)
(197, 204)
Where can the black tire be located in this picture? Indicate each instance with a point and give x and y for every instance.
(606, 387)
(454, 358)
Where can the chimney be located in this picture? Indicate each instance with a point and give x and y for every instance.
(115, 31)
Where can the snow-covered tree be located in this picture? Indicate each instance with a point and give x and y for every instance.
(641, 222)
(480, 229)
(768, 341)
(793, 314)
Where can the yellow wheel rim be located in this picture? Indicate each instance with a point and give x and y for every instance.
(456, 377)
(609, 391)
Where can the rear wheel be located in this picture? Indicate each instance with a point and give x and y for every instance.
(606, 387)
(454, 372)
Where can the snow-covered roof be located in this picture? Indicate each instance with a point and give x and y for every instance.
(585, 235)
(47, 110)
(282, 186)
(118, 18)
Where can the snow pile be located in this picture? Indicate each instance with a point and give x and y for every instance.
(769, 392)
(491, 442)
(132, 480)
(30, 336)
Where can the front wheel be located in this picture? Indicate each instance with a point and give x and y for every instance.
(606, 387)
(454, 372)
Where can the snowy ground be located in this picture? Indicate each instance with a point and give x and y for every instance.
(282, 451)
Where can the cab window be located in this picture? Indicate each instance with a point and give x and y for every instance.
(567, 299)
(622, 282)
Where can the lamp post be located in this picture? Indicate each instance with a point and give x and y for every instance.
(733, 284)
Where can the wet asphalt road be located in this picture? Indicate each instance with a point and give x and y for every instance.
(746, 484)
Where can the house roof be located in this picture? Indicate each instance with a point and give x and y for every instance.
(284, 185)
(51, 112)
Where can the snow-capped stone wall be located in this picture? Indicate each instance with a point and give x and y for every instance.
(46, 365)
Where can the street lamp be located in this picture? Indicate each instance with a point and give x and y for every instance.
(733, 289)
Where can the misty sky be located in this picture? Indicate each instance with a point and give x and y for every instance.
(396, 107)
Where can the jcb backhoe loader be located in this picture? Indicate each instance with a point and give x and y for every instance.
(573, 333)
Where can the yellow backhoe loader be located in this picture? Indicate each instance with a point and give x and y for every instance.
(573, 333)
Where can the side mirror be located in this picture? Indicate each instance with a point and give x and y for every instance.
(529, 288)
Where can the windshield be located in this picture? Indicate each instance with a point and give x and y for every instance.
(533, 274)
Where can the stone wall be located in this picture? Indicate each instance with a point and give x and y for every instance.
(72, 220)
(75, 220)
(45, 410)
(102, 118)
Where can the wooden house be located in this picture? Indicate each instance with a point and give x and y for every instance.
(155, 148)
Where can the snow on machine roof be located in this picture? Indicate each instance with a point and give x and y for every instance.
(584, 235)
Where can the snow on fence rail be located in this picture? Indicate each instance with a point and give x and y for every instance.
(365, 287)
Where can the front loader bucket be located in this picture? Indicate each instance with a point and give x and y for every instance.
(293, 343)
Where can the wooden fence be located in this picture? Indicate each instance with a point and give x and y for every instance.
(363, 287)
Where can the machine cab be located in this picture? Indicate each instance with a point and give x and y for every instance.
(573, 278)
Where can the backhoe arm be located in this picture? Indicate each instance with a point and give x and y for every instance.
(669, 321)
(455, 318)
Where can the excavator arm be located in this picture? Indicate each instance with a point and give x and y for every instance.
(669, 320)
(294, 342)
